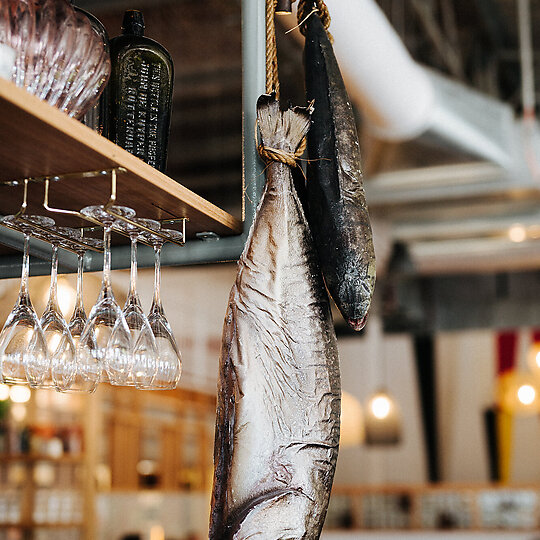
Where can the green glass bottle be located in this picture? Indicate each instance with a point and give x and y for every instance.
(141, 89)
(97, 117)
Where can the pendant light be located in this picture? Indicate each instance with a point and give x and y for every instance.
(518, 389)
(382, 417)
(519, 394)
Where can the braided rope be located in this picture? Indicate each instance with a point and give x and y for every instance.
(272, 75)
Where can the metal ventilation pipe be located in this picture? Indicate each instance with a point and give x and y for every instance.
(401, 100)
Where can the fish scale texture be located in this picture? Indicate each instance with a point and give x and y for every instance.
(277, 429)
(338, 213)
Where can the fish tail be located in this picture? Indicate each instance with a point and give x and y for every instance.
(282, 130)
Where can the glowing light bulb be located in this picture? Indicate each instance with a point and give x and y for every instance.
(526, 394)
(380, 406)
(19, 394)
(4, 392)
(66, 297)
(537, 359)
(517, 233)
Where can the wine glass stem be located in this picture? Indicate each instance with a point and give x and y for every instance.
(25, 268)
(156, 304)
(107, 259)
(133, 275)
(53, 298)
(80, 269)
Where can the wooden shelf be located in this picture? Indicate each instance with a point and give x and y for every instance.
(38, 140)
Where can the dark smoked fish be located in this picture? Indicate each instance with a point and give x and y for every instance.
(338, 214)
(277, 428)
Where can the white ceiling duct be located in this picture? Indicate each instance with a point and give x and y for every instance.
(400, 100)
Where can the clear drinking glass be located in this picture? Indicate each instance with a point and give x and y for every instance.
(60, 344)
(144, 348)
(106, 323)
(89, 369)
(169, 366)
(23, 350)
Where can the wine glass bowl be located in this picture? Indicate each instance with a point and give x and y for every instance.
(61, 348)
(169, 368)
(23, 350)
(106, 338)
(144, 349)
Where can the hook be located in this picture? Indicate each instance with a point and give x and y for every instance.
(24, 204)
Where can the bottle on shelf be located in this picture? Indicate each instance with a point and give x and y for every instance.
(97, 117)
(141, 89)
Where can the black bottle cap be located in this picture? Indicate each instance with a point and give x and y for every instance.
(133, 22)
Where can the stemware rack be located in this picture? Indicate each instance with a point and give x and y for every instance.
(84, 242)
(53, 160)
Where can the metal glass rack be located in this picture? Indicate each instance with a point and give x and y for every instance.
(40, 145)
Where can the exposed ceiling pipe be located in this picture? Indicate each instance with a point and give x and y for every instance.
(400, 100)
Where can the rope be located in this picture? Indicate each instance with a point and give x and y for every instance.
(289, 158)
(272, 85)
(272, 76)
(306, 9)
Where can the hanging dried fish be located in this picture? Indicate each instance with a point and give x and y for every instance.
(277, 428)
(338, 214)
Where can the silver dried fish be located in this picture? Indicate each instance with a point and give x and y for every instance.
(277, 429)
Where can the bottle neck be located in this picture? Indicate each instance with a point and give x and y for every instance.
(133, 23)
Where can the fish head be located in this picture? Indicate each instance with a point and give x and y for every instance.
(355, 294)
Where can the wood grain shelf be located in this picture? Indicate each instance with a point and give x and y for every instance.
(38, 140)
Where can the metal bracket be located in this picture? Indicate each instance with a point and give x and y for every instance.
(108, 207)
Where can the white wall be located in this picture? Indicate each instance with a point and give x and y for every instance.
(362, 374)
(465, 365)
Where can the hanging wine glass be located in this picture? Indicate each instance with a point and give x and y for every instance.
(23, 350)
(89, 369)
(106, 323)
(169, 366)
(144, 349)
(60, 345)
(84, 377)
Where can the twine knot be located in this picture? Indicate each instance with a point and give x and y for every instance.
(282, 156)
